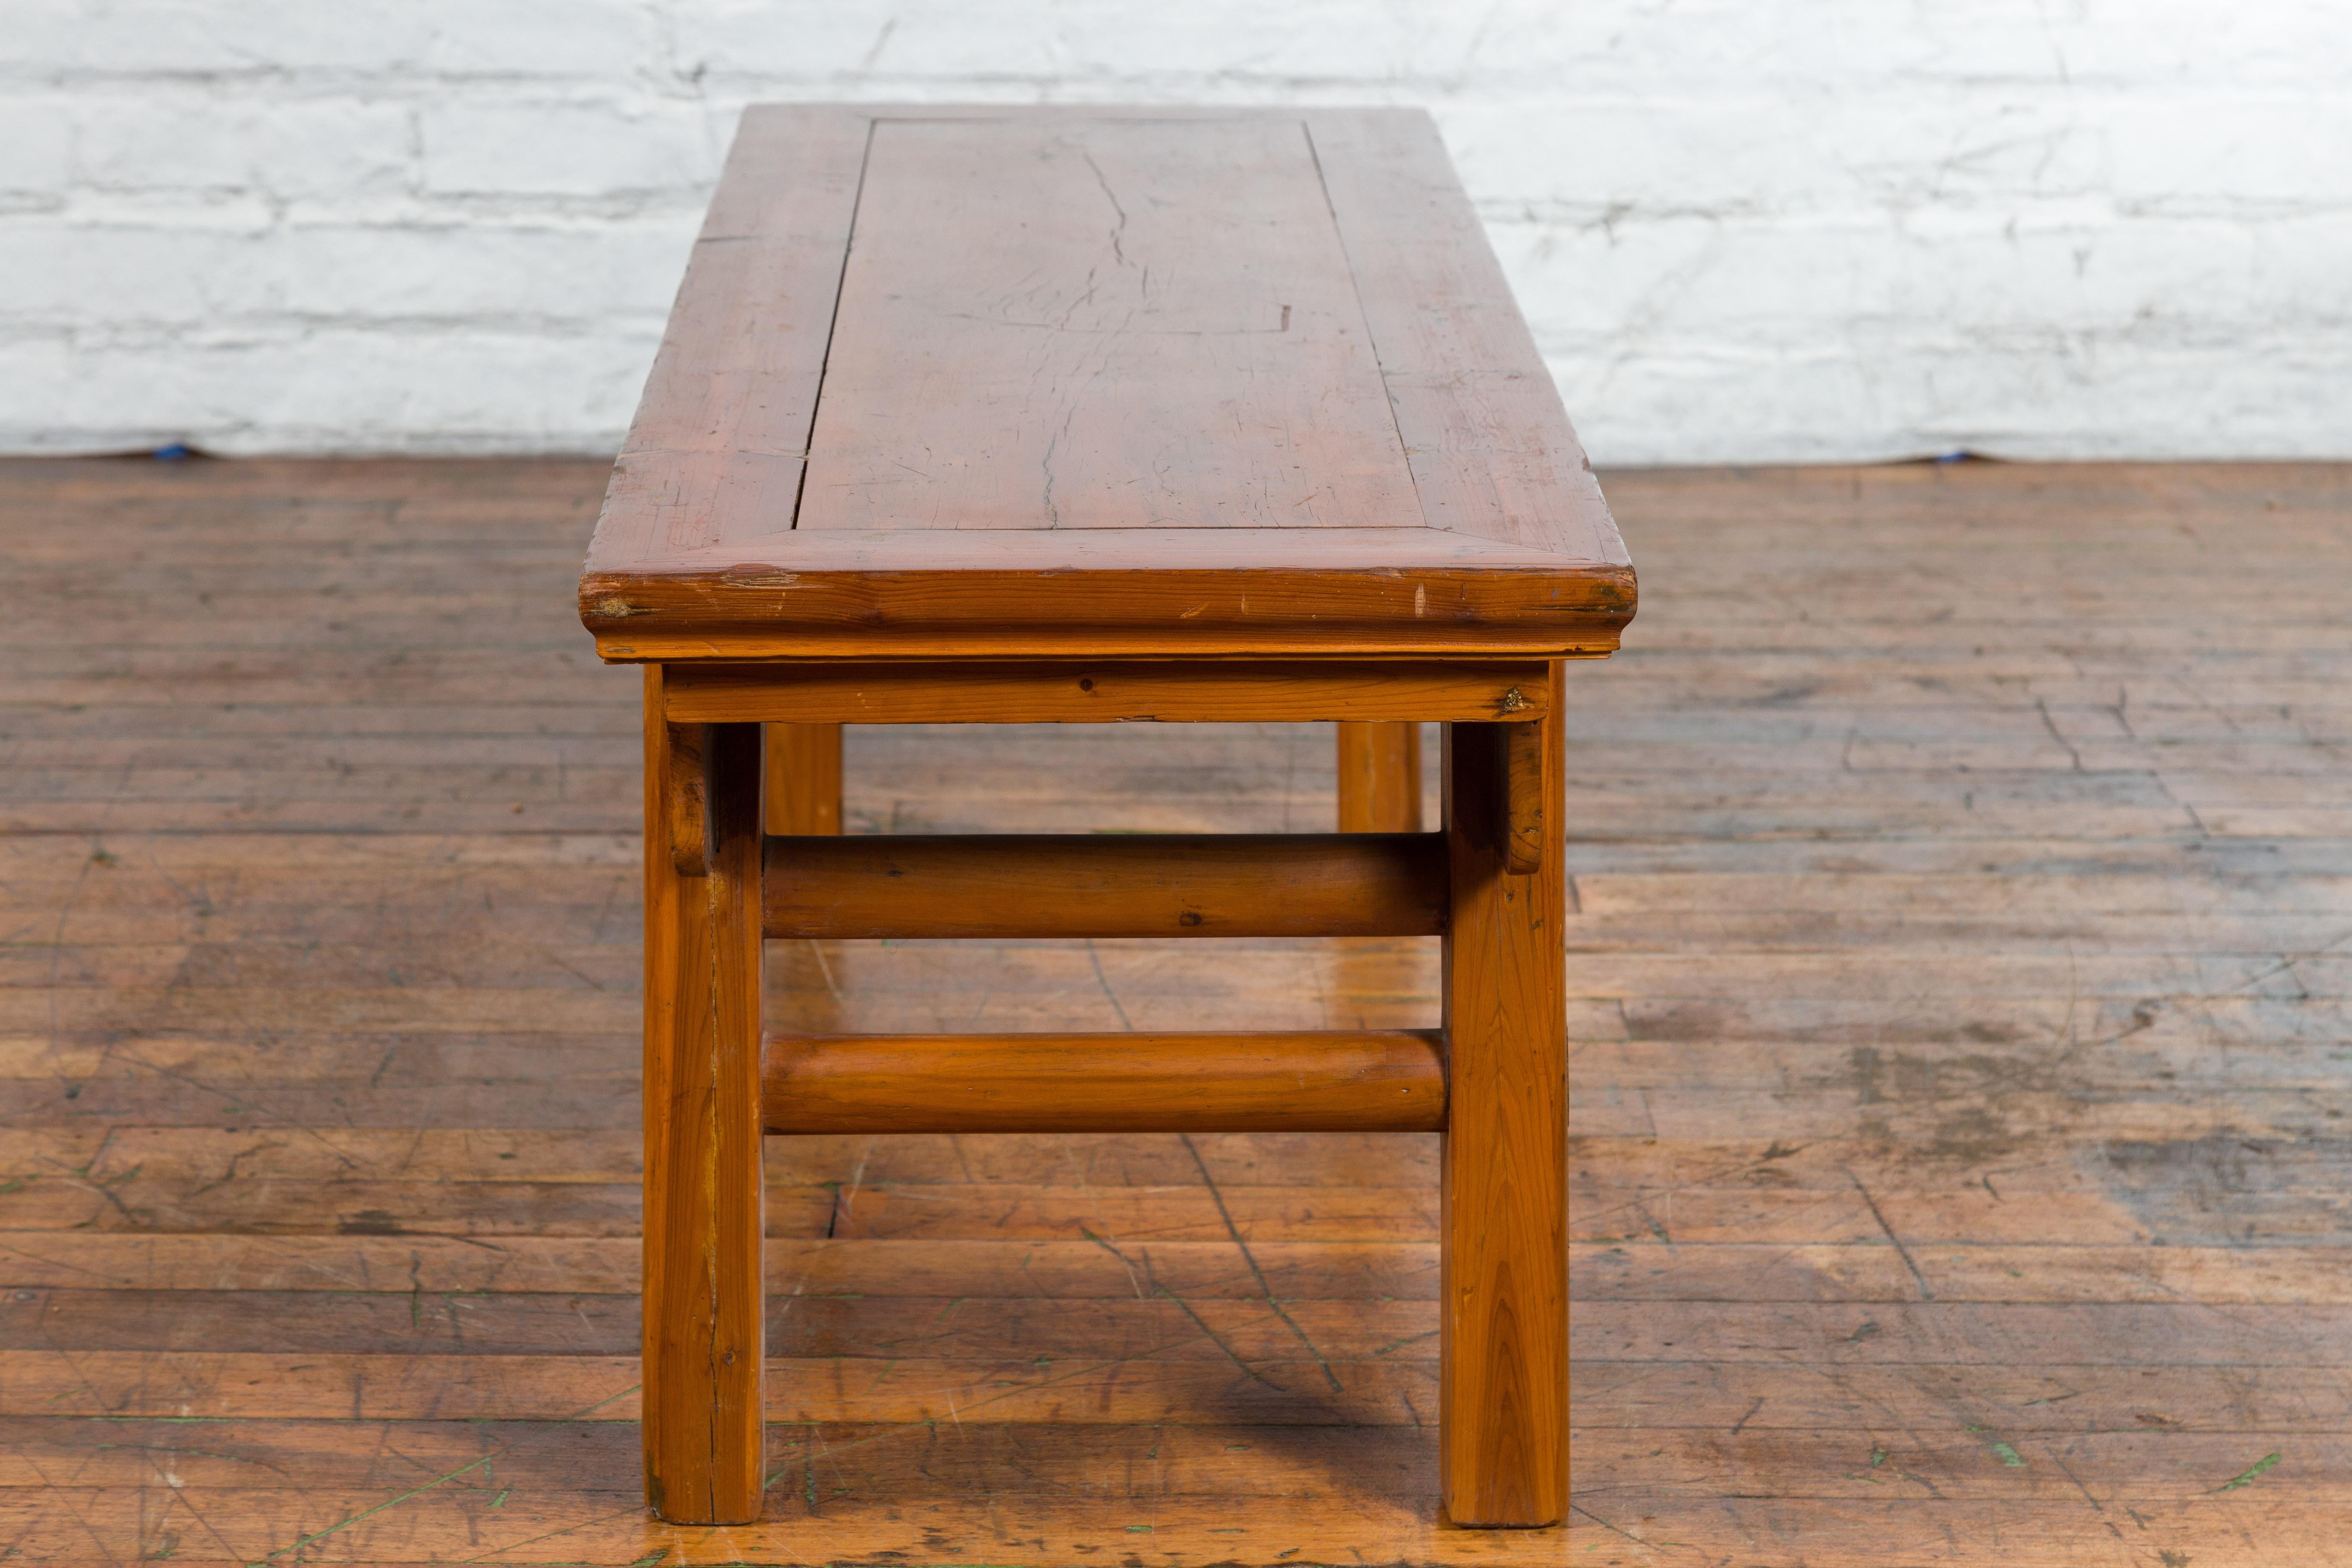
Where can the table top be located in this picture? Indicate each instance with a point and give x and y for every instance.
(947, 382)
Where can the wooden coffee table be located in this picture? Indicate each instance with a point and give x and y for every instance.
(1093, 415)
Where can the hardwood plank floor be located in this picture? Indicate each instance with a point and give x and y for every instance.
(1961, 990)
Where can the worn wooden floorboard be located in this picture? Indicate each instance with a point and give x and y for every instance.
(1961, 1011)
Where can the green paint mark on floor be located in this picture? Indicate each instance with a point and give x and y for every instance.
(2246, 1478)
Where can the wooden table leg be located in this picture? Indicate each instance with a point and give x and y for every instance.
(1503, 1396)
(703, 1307)
(1380, 778)
(803, 778)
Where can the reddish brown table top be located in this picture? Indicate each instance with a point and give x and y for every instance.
(1094, 381)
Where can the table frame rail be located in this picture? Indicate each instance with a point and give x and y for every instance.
(1492, 1079)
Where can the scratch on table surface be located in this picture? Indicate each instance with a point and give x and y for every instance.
(1118, 229)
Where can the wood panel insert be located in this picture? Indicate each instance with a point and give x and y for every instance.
(1084, 322)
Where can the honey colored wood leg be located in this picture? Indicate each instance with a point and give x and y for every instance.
(803, 778)
(1503, 1395)
(1380, 778)
(1523, 795)
(688, 775)
(703, 1310)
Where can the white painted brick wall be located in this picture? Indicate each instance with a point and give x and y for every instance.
(1743, 229)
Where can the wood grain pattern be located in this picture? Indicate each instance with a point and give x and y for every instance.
(1063, 323)
(1477, 410)
(720, 437)
(1307, 1081)
(804, 780)
(703, 1348)
(1956, 1016)
(1007, 885)
(1529, 763)
(1171, 690)
(1379, 775)
(685, 793)
(1108, 593)
(1504, 1441)
(1031, 325)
